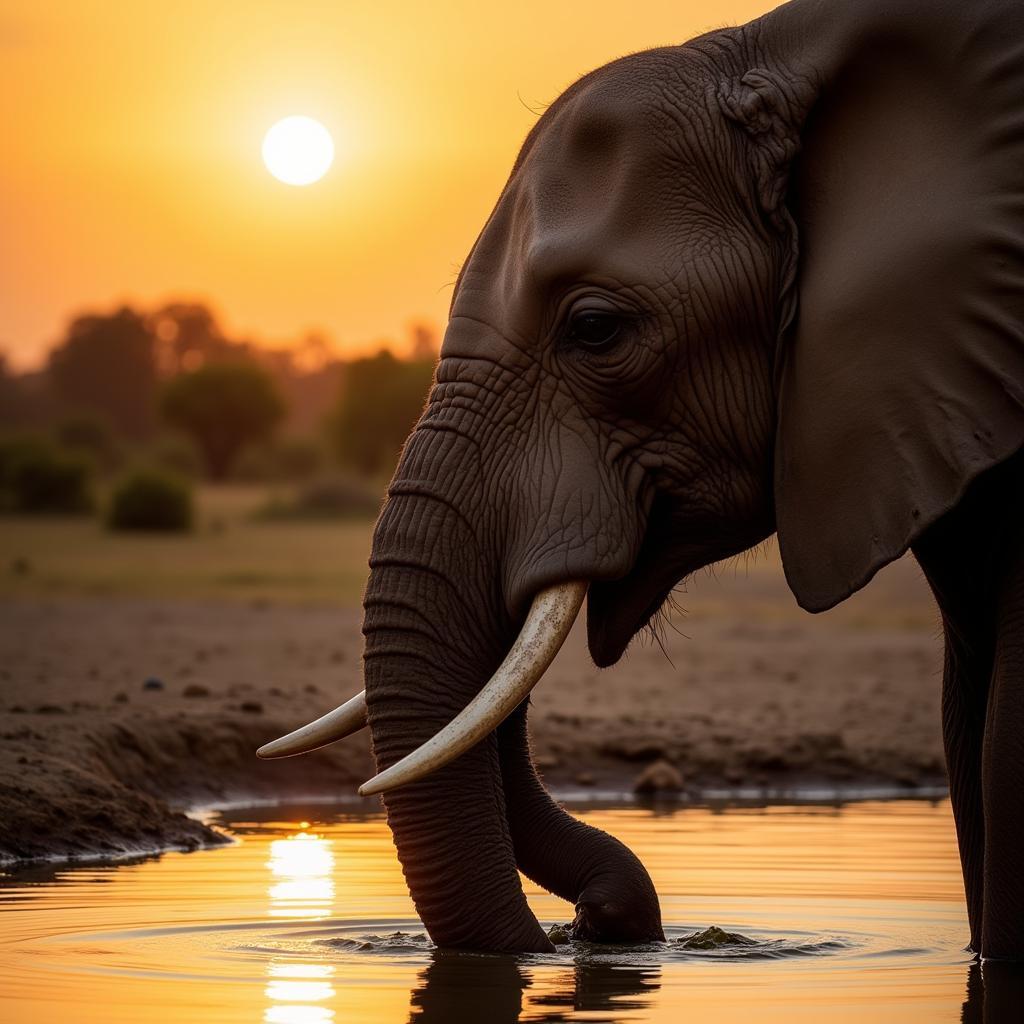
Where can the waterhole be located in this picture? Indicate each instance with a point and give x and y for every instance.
(847, 913)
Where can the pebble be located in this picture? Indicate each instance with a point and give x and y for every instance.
(152, 684)
(253, 707)
(195, 690)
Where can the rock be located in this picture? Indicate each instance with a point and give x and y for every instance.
(121, 698)
(660, 776)
(559, 934)
(713, 938)
(253, 707)
(153, 684)
(195, 690)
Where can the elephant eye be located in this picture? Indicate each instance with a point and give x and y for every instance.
(595, 329)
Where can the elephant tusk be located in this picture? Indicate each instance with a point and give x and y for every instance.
(335, 725)
(550, 618)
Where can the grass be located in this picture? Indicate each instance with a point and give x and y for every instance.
(234, 555)
(230, 556)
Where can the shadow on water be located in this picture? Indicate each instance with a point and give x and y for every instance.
(463, 989)
(995, 993)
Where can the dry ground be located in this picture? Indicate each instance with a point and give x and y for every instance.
(246, 630)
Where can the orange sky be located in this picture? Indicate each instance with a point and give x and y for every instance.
(131, 168)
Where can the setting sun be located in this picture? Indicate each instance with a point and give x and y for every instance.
(298, 150)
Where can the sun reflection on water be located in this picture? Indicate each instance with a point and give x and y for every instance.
(298, 1015)
(302, 866)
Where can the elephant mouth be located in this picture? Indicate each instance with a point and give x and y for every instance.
(619, 609)
(677, 542)
(616, 612)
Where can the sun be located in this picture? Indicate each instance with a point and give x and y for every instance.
(298, 150)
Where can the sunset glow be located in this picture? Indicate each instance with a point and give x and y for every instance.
(149, 186)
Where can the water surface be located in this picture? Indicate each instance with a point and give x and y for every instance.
(856, 911)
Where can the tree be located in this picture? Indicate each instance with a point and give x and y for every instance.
(106, 364)
(381, 399)
(223, 407)
(188, 335)
(26, 399)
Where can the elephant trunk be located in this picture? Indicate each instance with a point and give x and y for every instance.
(613, 895)
(435, 629)
(450, 828)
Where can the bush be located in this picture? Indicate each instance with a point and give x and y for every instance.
(178, 454)
(333, 497)
(37, 477)
(151, 499)
(90, 434)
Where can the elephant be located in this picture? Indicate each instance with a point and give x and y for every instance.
(770, 280)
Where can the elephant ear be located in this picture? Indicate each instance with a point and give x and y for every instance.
(901, 371)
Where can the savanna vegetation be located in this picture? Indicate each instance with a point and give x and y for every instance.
(135, 410)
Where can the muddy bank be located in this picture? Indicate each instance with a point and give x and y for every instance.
(115, 714)
(90, 787)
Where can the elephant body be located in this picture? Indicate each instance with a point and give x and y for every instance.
(768, 280)
(973, 558)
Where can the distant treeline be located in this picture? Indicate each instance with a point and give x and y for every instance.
(168, 382)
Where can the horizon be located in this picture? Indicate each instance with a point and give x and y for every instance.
(134, 173)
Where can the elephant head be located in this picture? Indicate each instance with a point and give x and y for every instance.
(769, 279)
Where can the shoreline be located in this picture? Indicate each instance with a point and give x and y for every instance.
(582, 799)
(838, 796)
